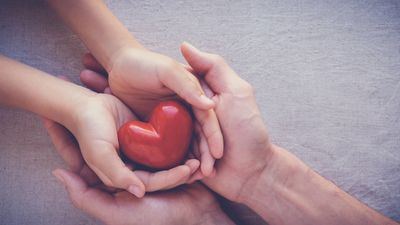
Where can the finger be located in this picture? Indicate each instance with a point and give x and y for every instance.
(168, 178)
(211, 131)
(217, 73)
(107, 90)
(65, 144)
(112, 171)
(91, 63)
(198, 175)
(187, 86)
(188, 68)
(207, 161)
(92, 201)
(93, 80)
(89, 176)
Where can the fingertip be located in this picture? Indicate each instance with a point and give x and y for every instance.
(86, 59)
(207, 168)
(207, 102)
(187, 46)
(136, 190)
(193, 164)
(195, 177)
(218, 152)
(93, 80)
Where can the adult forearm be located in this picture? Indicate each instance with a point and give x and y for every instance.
(96, 26)
(27, 88)
(289, 192)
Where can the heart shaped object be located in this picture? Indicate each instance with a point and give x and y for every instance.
(161, 143)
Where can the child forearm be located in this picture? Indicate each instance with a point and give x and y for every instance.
(27, 88)
(98, 28)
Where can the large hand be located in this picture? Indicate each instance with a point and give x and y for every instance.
(184, 205)
(141, 79)
(247, 147)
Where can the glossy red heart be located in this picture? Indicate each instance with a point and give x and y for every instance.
(161, 143)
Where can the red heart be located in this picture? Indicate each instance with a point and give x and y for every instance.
(161, 143)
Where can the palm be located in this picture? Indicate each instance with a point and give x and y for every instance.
(162, 206)
(100, 118)
(245, 136)
(134, 78)
(245, 142)
(183, 205)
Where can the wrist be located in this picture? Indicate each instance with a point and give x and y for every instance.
(73, 106)
(124, 53)
(281, 187)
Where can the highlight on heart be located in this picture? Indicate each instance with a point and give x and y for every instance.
(163, 141)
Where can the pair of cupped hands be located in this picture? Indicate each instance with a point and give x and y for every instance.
(228, 152)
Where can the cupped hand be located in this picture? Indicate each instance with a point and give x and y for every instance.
(247, 147)
(141, 79)
(96, 124)
(183, 205)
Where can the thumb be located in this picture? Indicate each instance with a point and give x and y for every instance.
(93, 201)
(219, 76)
(200, 61)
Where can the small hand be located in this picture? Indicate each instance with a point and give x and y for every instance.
(247, 147)
(184, 205)
(96, 131)
(141, 79)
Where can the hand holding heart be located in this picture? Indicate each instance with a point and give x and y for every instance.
(194, 203)
(98, 121)
(247, 146)
(208, 145)
(141, 79)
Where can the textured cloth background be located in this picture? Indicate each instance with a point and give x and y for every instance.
(326, 73)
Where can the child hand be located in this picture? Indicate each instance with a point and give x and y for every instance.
(87, 193)
(141, 79)
(96, 123)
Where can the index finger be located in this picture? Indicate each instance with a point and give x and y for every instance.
(107, 164)
(186, 85)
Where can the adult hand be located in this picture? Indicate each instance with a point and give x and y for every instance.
(247, 147)
(184, 205)
(141, 79)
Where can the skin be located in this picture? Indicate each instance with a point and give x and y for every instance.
(192, 204)
(83, 112)
(265, 177)
(184, 205)
(138, 77)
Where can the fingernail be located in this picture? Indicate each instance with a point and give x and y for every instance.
(135, 190)
(59, 177)
(206, 100)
